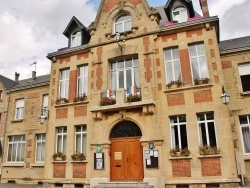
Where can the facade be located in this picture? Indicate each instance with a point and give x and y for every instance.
(135, 98)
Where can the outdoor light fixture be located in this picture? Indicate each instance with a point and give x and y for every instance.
(117, 38)
(224, 96)
(44, 115)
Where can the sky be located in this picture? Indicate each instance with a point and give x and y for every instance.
(29, 29)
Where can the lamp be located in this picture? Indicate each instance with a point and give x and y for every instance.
(117, 38)
(44, 115)
(224, 96)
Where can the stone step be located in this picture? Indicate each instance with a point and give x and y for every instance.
(123, 185)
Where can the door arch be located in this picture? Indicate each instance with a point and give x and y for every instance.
(126, 161)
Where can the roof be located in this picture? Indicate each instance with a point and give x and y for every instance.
(7, 83)
(74, 22)
(31, 83)
(234, 44)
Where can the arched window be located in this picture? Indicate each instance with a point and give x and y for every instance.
(123, 23)
(76, 39)
(180, 14)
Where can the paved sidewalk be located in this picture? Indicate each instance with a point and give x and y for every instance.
(12, 185)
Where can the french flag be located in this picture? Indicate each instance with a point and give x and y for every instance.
(108, 93)
(132, 90)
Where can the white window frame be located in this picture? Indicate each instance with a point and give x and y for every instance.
(40, 147)
(19, 109)
(64, 84)
(174, 62)
(17, 149)
(127, 22)
(45, 105)
(83, 143)
(202, 69)
(206, 121)
(245, 125)
(75, 39)
(178, 124)
(244, 70)
(182, 13)
(82, 80)
(61, 132)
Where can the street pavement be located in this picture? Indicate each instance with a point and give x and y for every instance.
(13, 185)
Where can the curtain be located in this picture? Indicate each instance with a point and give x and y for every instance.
(246, 138)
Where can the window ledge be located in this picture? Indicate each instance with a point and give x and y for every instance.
(208, 156)
(59, 161)
(71, 104)
(187, 87)
(37, 164)
(13, 164)
(180, 157)
(79, 161)
(245, 93)
(17, 120)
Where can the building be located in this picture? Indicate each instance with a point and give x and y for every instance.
(25, 136)
(136, 98)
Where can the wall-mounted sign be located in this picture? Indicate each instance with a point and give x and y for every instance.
(151, 145)
(98, 161)
(118, 155)
(151, 157)
(98, 149)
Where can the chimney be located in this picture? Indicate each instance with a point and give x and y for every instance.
(33, 74)
(17, 76)
(204, 8)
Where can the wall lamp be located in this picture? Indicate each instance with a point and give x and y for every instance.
(117, 38)
(44, 115)
(224, 96)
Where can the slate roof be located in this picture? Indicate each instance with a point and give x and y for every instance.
(234, 44)
(7, 83)
(30, 82)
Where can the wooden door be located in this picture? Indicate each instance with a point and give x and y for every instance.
(126, 160)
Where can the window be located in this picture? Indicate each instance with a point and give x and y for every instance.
(82, 80)
(40, 147)
(245, 132)
(19, 109)
(45, 105)
(80, 142)
(178, 132)
(207, 129)
(198, 61)
(125, 74)
(16, 148)
(172, 65)
(244, 70)
(64, 84)
(61, 139)
(180, 14)
(76, 39)
(123, 23)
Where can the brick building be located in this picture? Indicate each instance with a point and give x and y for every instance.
(136, 97)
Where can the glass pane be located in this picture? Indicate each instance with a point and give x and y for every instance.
(243, 120)
(120, 65)
(10, 152)
(135, 62)
(203, 67)
(175, 138)
(203, 134)
(183, 132)
(64, 143)
(59, 143)
(84, 142)
(246, 139)
(170, 75)
(113, 66)
(200, 117)
(200, 49)
(192, 51)
(121, 79)
(128, 63)
(182, 118)
(136, 77)
(168, 55)
(195, 68)
(173, 119)
(212, 137)
(210, 116)
(129, 78)
(175, 53)
(78, 143)
(177, 70)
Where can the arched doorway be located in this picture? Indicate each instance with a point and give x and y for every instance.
(126, 159)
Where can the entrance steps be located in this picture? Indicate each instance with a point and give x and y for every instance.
(123, 185)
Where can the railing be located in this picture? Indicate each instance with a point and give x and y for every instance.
(108, 97)
(133, 94)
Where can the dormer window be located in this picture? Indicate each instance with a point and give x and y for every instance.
(123, 23)
(76, 39)
(180, 14)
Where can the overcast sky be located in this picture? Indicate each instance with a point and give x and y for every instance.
(30, 29)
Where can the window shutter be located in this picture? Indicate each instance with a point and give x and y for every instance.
(244, 69)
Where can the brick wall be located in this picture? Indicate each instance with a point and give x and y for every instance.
(210, 166)
(61, 113)
(111, 4)
(181, 168)
(185, 66)
(79, 170)
(72, 85)
(80, 111)
(226, 64)
(59, 170)
(203, 96)
(176, 99)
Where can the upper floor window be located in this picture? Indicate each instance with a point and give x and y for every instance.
(245, 132)
(19, 109)
(45, 105)
(178, 132)
(123, 23)
(198, 60)
(16, 148)
(40, 147)
(244, 70)
(180, 14)
(61, 139)
(172, 65)
(125, 74)
(64, 84)
(82, 80)
(76, 39)
(80, 139)
(207, 132)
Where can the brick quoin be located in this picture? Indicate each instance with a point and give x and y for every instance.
(158, 74)
(216, 79)
(145, 30)
(111, 4)
(210, 41)
(99, 54)
(33, 95)
(92, 85)
(59, 170)
(92, 74)
(167, 37)
(214, 66)
(28, 154)
(185, 67)
(80, 111)
(79, 170)
(147, 65)
(54, 72)
(203, 96)
(176, 99)
(61, 113)
(65, 59)
(29, 142)
(156, 51)
(82, 55)
(210, 167)
(197, 32)
(181, 168)
(158, 63)
(235, 143)
(159, 87)
(212, 53)
(27, 165)
(99, 40)
(72, 85)
(99, 72)
(226, 64)
(146, 43)
(53, 81)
